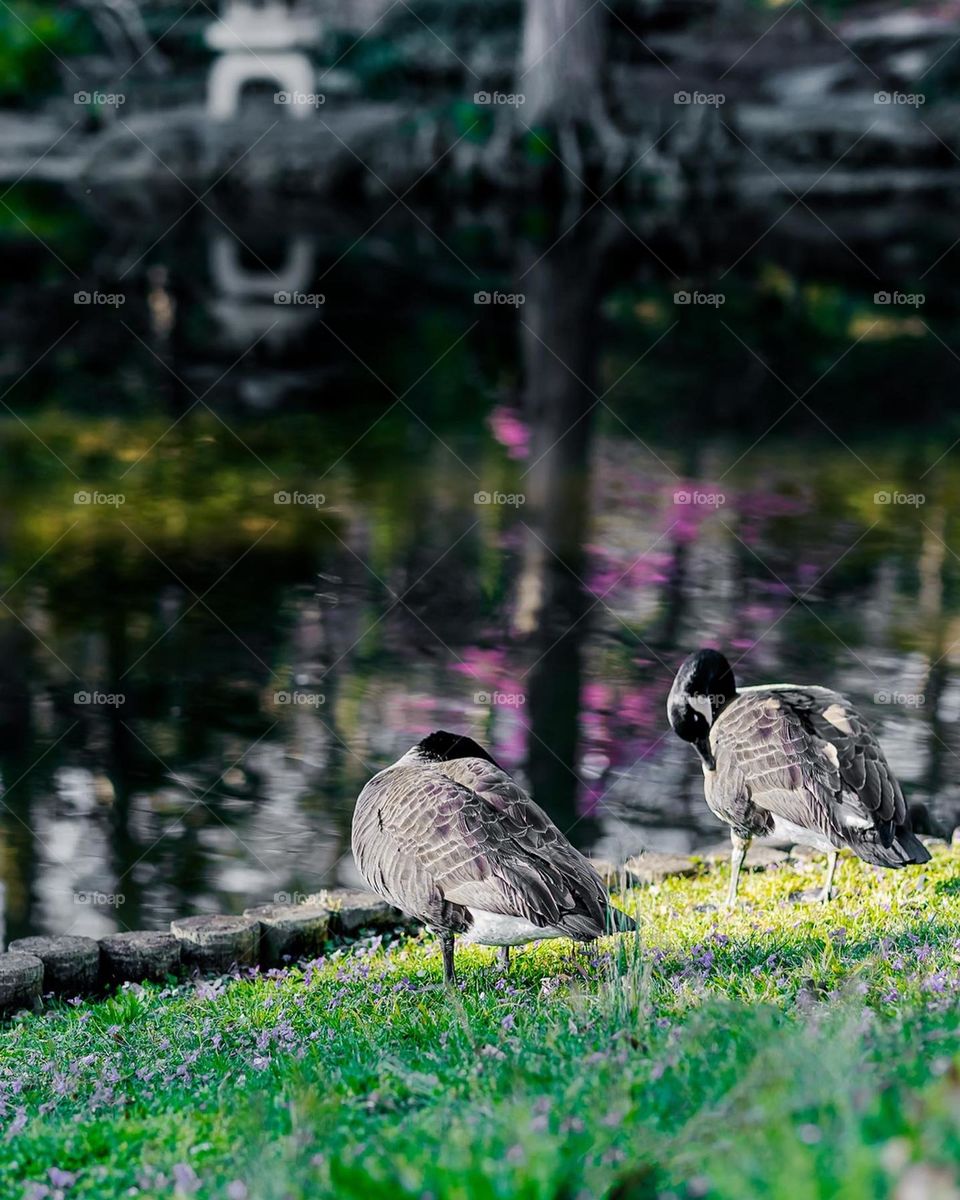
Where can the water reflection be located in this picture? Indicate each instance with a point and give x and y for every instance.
(263, 301)
(303, 577)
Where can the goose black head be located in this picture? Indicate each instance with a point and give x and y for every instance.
(702, 689)
(441, 746)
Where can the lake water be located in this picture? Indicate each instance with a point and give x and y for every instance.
(252, 550)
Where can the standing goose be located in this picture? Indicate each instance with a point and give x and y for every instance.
(791, 761)
(448, 837)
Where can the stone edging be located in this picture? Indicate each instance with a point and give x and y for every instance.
(265, 936)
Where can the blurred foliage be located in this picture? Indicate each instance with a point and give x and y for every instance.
(29, 212)
(376, 61)
(32, 39)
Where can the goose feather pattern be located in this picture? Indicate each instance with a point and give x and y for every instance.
(803, 757)
(458, 844)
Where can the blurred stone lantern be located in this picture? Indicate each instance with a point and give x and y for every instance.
(262, 42)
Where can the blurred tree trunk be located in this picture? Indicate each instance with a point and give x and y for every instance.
(562, 71)
(562, 58)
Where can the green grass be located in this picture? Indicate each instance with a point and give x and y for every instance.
(785, 1051)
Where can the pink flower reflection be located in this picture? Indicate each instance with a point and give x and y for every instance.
(481, 664)
(620, 723)
(510, 431)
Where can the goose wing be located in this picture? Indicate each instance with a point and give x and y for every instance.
(539, 874)
(400, 822)
(420, 832)
(807, 756)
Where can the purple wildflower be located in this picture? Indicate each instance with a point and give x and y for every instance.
(185, 1179)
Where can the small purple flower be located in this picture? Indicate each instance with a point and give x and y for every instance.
(508, 1022)
(62, 1179)
(185, 1179)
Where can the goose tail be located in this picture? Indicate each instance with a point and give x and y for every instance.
(617, 921)
(905, 850)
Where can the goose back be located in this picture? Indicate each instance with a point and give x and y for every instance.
(804, 758)
(440, 839)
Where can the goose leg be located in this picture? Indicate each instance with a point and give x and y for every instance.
(504, 957)
(738, 852)
(832, 857)
(446, 945)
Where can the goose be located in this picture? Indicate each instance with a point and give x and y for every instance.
(448, 837)
(790, 761)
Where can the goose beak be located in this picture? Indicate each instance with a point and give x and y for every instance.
(703, 749)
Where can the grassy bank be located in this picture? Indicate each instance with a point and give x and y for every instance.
(786, 1050)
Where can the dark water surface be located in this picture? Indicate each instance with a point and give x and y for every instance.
(250, 551)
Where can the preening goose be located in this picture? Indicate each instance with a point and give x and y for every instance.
(791, 761)
(448, 837)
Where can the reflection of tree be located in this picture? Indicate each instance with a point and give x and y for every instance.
(674, 594)
(561, 301)
(931, 568)
(18, 851)
(323, 637)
